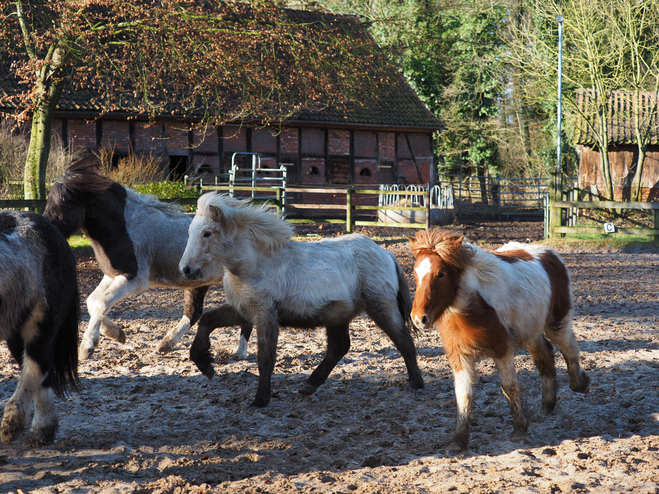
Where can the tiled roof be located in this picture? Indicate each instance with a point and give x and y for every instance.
(394, 105)
(621, 113)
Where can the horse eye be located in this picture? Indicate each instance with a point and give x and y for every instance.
(440, 275)
(206, 234)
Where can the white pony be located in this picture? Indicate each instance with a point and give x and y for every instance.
(272, 281)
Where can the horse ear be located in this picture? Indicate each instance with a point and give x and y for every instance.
(215, 213)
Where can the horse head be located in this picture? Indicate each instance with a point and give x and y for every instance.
(440, 260)
(206, 237)
(69, 196)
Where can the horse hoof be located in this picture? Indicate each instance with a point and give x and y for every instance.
(164, 348)
(456, 448)
(518, 436)
(121, 337)
(85, 353)
(11, 429)
(258, 404)
(307, 390)
(581, 384)
(417, 383)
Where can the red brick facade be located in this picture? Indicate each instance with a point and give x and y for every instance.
(313, 155)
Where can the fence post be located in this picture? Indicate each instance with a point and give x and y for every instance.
(278, 199)
(349, 210)
(554, 195)
(655, 224)
(428, 209)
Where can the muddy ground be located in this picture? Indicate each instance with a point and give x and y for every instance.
(147, 423)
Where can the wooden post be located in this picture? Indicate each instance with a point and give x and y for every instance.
(554, 195)
(279, 204)
(349, 210)
(428, 209)
(655, 224)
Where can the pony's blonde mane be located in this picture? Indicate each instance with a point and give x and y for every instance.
(149, 200)
(446, 244)
(267, 230)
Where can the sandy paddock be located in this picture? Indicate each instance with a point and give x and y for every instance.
(146, 423)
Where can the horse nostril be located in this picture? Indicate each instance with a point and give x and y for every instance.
(425, 320)
(186, 270)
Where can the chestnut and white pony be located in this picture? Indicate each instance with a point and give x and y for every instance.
(272, 281)
(488, 304)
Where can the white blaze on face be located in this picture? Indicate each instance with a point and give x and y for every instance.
(422, 270)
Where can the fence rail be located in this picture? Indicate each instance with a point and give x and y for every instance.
(356, 201)
(562, 214)
(499, 197)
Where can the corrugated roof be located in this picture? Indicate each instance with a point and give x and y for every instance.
(393, 105)
(623, 106)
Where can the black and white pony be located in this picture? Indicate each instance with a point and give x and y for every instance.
(39, 313)
(138, 241)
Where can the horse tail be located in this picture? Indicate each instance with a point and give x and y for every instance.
(405, 299)
(65, 361)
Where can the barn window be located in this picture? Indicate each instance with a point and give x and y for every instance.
(365, 172)
(312, 170)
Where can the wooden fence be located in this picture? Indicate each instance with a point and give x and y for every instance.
(349, 204)
(562, 213)
(498, 197)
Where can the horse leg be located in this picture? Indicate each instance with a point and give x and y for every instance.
(510, 387)
(464, 377)
(542, 353)
(561, 335)
(99, 304)
(33, 372)
(194, 306)
(107, 328)
(241, 351)
(223, 316)
(338, 344)
(267, 335)
(387, 317)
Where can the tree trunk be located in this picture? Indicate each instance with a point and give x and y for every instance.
(34, 176)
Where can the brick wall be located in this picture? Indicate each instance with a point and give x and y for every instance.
(116, 136)
(149, 138)
(387, 145)
(235, 139)
(366, 172)
(307, 167)
(289, 141)
(339, 142)
(177, 138)
(82, 133)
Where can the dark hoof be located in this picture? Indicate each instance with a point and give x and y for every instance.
(547, 408)
(121, 338)
(417, 383)
(206, 369)
(307, 390)
(519, 436)
(457, 448)
(582, 384)
(258, 404)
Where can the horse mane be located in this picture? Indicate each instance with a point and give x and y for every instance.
(82, 179)
(79, 180)
(267, 230)
(447, 244)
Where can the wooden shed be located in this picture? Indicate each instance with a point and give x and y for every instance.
(623, 149)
